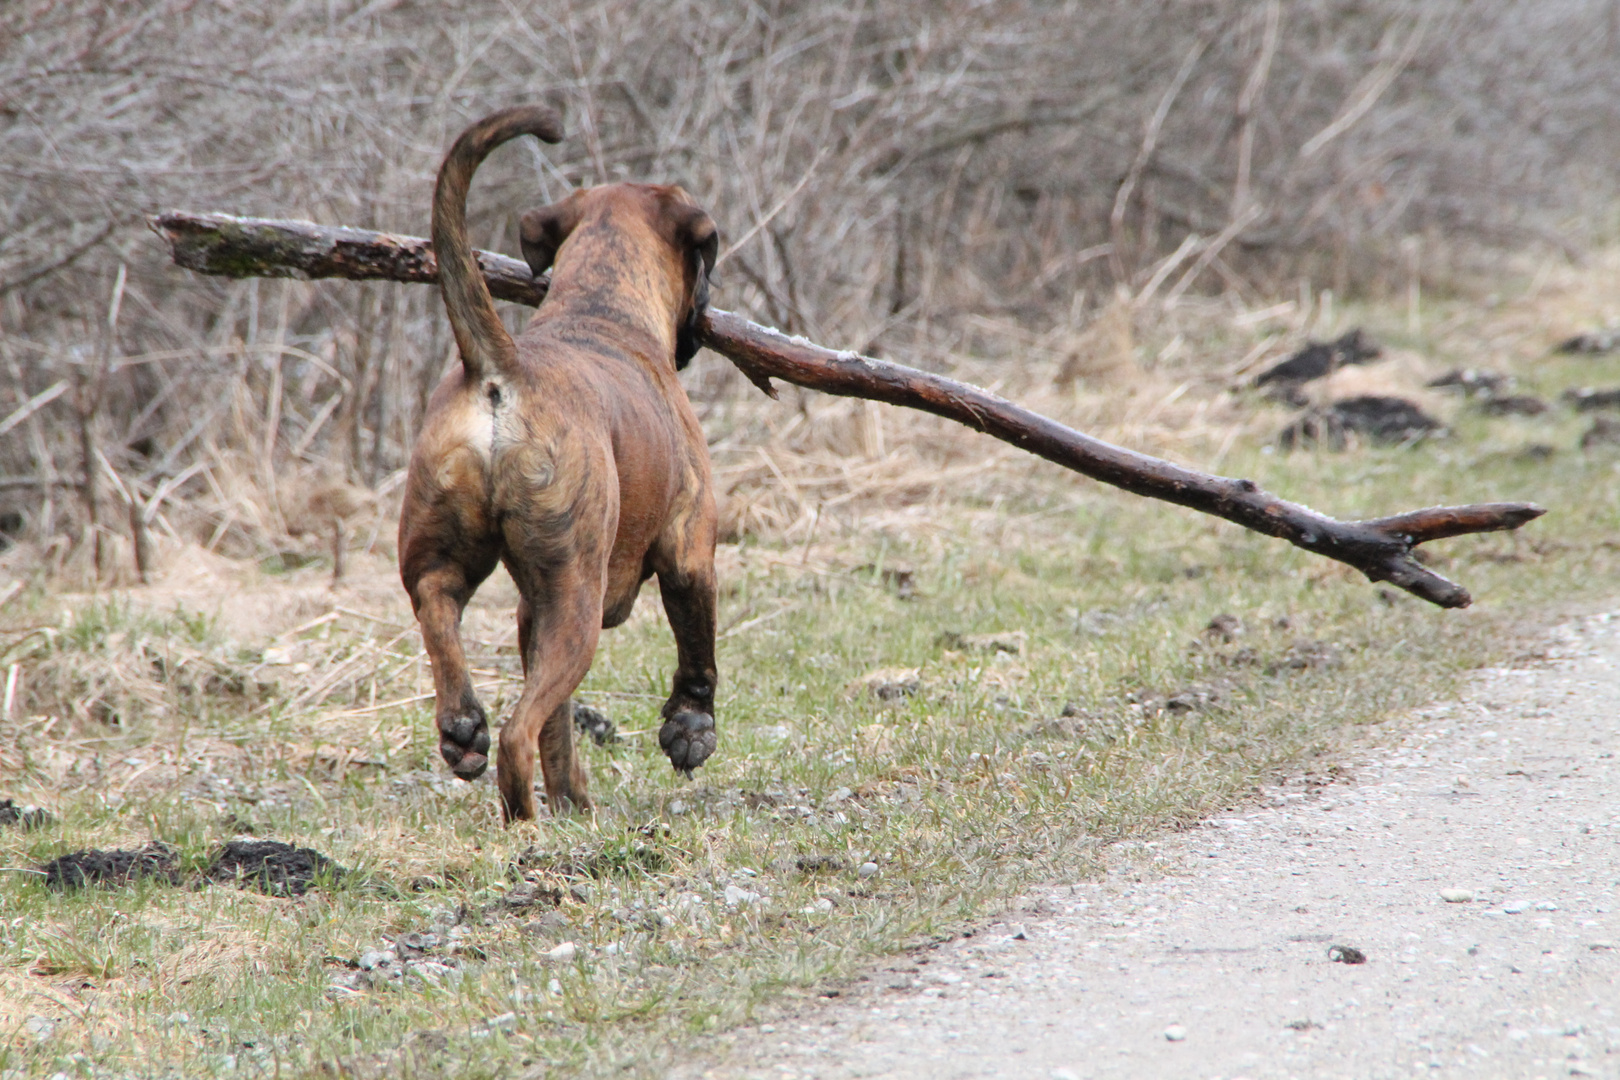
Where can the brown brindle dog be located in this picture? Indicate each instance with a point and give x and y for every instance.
(570, 454)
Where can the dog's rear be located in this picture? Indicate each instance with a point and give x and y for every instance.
(570, 454)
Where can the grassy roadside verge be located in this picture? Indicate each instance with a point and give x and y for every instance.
(968, 704)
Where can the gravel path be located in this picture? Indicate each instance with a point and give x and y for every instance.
(1476, 865)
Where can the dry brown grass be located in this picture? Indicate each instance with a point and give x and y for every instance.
(948, 184)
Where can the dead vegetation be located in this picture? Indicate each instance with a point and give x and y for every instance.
(941, 183)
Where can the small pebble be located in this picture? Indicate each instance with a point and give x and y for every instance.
(1513, 907)
(580, 892)
(1546, 905)
(867, 869)
(1017, 932)
(736, 895)
(372, 959)
(1175, 1033)
(1456, 896)
(1063, 1074)
(563, 953)
(505, 1019)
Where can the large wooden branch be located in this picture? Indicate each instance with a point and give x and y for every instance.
(1382, 548)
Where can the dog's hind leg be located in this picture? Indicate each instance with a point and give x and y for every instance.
(559, 622)
(686, 581)
(439, 595)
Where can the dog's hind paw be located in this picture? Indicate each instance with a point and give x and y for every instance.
(464, 745)
(688, 738)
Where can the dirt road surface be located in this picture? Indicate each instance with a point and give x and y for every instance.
(1475, 864)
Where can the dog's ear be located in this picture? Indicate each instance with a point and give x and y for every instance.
(541, 232)
(696, 233)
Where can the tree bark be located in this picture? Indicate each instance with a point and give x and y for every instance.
(1382, 549)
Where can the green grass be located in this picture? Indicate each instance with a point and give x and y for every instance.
(960, 793)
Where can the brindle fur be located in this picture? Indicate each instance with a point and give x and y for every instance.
(571, 455)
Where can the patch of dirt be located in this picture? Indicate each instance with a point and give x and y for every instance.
(272, 867)
(111, 869)
(1375, 417)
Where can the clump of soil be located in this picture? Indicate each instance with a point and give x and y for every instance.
(1198, 698)
(816, 864)
(1514, 405)
(110, 869)
(887, 684)
(1474, 382)
(1605, 432)
(902, 579)
(272, 867)
(1380, 419)
(1320, 358)
(29, 817)
(594, 722)
(1594, 343)
(1306, 655)
(1346, 954)
(1586, 399)
(528, 893)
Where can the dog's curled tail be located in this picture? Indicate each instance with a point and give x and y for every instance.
(484, 343)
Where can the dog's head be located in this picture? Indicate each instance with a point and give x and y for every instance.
(676, 221)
